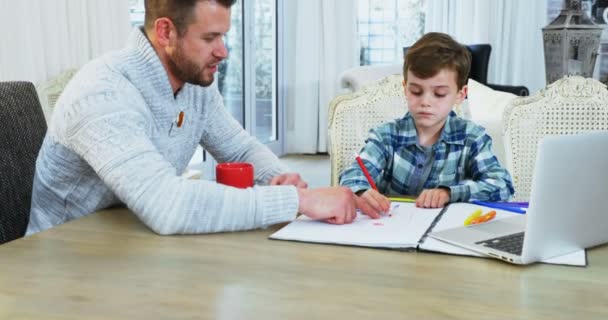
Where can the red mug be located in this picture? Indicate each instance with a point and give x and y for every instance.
(235, 174)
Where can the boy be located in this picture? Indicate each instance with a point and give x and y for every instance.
(430, 152)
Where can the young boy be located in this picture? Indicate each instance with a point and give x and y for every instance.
(430, 153)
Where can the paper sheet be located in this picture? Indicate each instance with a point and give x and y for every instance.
(401, 228)
(455, 216)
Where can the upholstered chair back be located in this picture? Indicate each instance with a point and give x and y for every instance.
(22, 129)
(351, 116)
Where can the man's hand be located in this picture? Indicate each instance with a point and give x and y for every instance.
(333, 205)
(289, 179)
(433, 198)
(373, 203)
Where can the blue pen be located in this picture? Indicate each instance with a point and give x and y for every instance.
(496, 205)
(518, 203)
(511, 204)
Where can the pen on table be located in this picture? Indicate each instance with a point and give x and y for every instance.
(513, 204)
(401, 199)
(499, 206)
(366, 173)
(517, 202)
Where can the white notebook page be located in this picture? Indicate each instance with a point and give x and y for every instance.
(401, 228)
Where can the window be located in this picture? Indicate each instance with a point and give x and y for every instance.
(247, 79)
(386, 26)
(265, 71)
(230, 71)
(137, 11)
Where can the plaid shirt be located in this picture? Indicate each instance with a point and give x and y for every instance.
(463, 162)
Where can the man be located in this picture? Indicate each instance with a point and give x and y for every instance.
(115, 137)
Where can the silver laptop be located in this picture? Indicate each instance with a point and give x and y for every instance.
(568, 209)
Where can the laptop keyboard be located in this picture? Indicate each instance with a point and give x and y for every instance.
(512, 243)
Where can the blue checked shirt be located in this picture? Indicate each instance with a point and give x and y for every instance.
(463, 162)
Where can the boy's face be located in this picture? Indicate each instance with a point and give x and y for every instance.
(431, 100)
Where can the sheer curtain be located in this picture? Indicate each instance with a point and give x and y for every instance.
(320, 42)
(43, 38)
(512, 27)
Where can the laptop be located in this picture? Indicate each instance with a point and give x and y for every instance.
(567, 210)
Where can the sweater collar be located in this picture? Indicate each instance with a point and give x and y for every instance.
(149, 75)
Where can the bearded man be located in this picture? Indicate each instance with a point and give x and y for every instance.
(126, 126)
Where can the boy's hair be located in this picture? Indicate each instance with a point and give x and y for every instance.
(181, 12)
(437, 51)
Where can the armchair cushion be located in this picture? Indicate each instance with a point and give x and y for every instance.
(486, 103)
(487, 107)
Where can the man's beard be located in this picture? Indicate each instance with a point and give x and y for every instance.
(186, 70)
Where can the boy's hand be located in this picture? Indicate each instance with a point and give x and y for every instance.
(433, 198)
(372, 203)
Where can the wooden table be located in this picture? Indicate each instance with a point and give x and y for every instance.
(110, 266)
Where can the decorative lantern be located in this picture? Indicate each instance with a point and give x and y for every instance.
(572, 42)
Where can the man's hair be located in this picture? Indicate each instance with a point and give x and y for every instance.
(435, 52)
(181, 12)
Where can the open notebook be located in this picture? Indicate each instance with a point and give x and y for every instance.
(405, 227)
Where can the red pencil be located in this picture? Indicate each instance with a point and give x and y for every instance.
(366, 173)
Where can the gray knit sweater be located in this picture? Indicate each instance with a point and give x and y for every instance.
(111, 142)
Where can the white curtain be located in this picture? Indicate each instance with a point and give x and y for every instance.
(321, 41)
(512, 27)
(42, 38)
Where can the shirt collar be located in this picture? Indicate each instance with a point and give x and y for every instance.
(452, 133)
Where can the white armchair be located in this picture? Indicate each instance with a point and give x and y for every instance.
(568, 106)
(351, 116)
(49, 92)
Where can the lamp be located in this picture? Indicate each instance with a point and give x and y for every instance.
(571, 43)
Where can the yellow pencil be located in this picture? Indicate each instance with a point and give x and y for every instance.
(402, 199)
(472, 217)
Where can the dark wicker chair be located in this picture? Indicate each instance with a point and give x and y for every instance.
(22, 129)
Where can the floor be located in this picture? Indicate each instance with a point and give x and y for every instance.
(314, 169)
